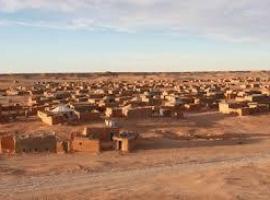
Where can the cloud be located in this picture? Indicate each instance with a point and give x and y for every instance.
(78, 24)
(242, 20)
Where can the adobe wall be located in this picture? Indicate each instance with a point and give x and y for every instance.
(224, 108)
(104, 134)
(88, 116)
(127, 145)
(243, 111)
(41, 114)
(85, 145)
(131, 145)
(111, 112)
(47, 120)
(143, 112)
(8, 144)
(62, 147)
(36, 144)
(50, 120)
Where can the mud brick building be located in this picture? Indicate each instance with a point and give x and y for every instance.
(36, 143)
(138, 112)
(85, 144)
(125, 141)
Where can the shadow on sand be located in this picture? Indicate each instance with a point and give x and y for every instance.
(175, 141)
(191, 120)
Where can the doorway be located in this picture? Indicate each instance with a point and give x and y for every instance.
(119, 146)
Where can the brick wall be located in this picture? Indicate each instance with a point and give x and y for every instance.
(8, 144)
(85, 145)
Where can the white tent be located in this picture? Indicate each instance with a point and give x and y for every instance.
(62, 109)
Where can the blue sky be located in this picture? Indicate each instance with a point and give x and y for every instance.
(133, 35)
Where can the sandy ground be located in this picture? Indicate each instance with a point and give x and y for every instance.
(204, 156)
(235, 178)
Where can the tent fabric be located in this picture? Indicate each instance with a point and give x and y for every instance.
(62, 109)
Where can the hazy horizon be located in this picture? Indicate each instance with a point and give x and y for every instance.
(47, 36)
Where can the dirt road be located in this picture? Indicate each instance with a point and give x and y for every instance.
(115, 183)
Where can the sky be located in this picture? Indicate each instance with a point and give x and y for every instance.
(134, 35)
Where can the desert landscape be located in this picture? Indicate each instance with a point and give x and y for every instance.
(200, 135)
(134, 100)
